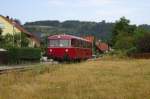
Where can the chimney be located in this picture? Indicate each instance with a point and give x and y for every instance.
(7, 17)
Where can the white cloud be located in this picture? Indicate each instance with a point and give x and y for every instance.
(81, 3)
(56, 2)
(95, 2)
(97, 10)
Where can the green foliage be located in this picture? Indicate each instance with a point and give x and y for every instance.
(143, 43)
(145, 27)
(121, 26)
(8, 41)
(1, 31)
(129, 38)
(140, 32)
(18, 55)
(1, 38)
(131, 51)
(142, 40)
(123, 35)
(3, 57)
(24, 40)
(44, 23)
(124, 41)
(94, 48)
(118, 53)
(20, 40)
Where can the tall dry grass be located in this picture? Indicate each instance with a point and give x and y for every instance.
(100, 79)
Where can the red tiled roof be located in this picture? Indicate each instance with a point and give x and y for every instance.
(102, 46)
(90, 38)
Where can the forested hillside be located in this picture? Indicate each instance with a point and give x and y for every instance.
(101, 30)
(145, 26)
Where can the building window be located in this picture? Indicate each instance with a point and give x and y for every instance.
(2, 26)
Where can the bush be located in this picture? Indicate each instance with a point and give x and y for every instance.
(118, 53)
(3, 57)
(18, 55)
(124, 41)
(132, 50)
(143, 43)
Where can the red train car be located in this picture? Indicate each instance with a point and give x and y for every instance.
(68, 47)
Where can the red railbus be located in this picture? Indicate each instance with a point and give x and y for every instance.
(68, 47)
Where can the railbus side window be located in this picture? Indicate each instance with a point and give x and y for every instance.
(83, 45)
(80, 43)
(86, 44)
(75, 43)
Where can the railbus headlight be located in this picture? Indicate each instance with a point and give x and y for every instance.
(66, 50)
(51, 50)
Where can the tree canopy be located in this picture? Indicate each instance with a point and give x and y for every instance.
(127, 36)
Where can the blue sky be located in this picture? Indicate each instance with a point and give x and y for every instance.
(85, 10)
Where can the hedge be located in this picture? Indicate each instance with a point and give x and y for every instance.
(3, 57)
(18, 55)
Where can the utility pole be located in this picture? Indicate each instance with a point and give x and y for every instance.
(20, 40)
(13, 34)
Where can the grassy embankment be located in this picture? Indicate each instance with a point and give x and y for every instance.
(104, 79)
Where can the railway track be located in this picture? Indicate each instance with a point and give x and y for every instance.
(4, 70)
(7, 69)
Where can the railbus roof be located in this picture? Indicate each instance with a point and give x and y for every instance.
(68, 37)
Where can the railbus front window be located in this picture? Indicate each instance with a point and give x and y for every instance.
(59, 43)
(64, 43)
(53, 43)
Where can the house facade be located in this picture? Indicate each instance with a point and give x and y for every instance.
(9, 26)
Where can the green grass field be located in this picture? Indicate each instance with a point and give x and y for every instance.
(103, 79)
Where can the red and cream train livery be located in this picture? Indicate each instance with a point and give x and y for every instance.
(68, 47)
